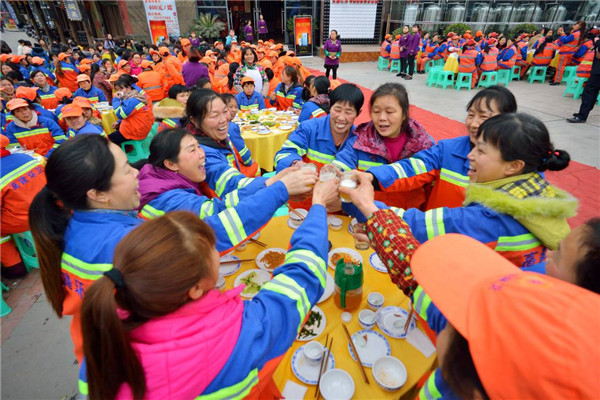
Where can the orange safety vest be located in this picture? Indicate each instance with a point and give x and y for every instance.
(511, 62)
(589, 44)
(266, 63)
(395, 50)
(467, 61)
(173, 74)
(490, 60)
(137, 125)
(49, 101)
(584, 69)
(383, 52)
(544, 58)
(152, 83)
(570, 47)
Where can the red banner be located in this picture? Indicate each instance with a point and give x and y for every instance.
(158, 30)
(303, 36)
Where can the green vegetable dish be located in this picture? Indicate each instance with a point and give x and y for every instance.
(251, 286)
(313, 322)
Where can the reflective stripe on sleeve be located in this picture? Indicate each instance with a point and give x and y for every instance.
(421, 302)
(149, 212)
(315, 263)
(434, 221)
(206, 209)
(454, 177)
(237, 391)
(288, 287)
(224, 178)
(233, 225)
(526, 241)
(83, 269)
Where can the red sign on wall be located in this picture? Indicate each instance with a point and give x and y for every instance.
(303, 36)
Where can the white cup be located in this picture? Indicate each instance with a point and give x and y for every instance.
(313, 351)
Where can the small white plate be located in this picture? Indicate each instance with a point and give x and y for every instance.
(229, 269)
(328, 288)
(263, 130)
(285, 127)
(370, 345)
(261, 264)
(317, 329)
(260, 277)
(306, 372)
(351, 224)
(351, 252)
(289, 223)
(377, 264)
(391, 321)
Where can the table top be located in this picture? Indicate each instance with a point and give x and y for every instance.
(277, 234)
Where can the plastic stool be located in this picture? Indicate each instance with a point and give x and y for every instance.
(440, 62)
(568, 74)
(488, 78)
(537, 74)
(598, 99)
(515, 72)
(146, 142)
(138, 153)
(395, 66)
(433, 74)
(575, 87)
(382, 63)
(461, 82)
(4, 308)
(26, 246)
(428, 65)
(504, 76)
(445, 78)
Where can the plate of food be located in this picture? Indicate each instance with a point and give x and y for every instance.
(391, 321)
(328, 288)
(306, 371)
(285, 127)
(377, 264)
(370, 345)
(349, 256)
(314, 326)
(254, 279)
(270, 259)
(230, 267)
(263, 130)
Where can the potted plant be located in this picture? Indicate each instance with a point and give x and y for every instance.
(207, 26)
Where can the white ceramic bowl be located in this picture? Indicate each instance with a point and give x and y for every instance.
(335, 223)
(389, 373)
(367, 319)
(336, 384)
(375, 300)
(313, 351)
(295, 221)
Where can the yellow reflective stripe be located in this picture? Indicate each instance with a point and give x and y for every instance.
(315, 263)
(365, 165)
(398, 211)
(243, 151)
(5, 239)
(120, 113)
(434, 221)
(232, 199)
(12, 175)
(237, 391)
(47, 96)
(230, 159)
(399, 170)
(288, 287)
(141, 105)
(32, 132)
(341, 165)
(60, 137)
(526, 241)
(248, 107)
(233, 225)
(245, 182)
(169, 122)
(83, 269)
(418, 166)
(317, 112)
(299, 150)
(319, 157)
(95, 98)
(224, 178)
(83, 387)
(454, 177)
(149, 212)
(421, 302)
(206, 209)
(429, 390)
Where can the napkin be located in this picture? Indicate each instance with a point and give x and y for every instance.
(420, 341)
(294, 391)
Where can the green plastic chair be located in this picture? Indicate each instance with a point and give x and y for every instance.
(4, 308)
(569, 73)
(515, 73)
(504, 76)
(382, 63)
(463, 80)
(432, 76)
(488, 78)
(537, 74)
(395, 67)
(428, 65)
(575, 87)
(445, 78)
(26, 246)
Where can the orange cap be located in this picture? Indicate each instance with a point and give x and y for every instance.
(478, 33)
(292, 61)
(16, 103)
(467, 36)
(388, 36)
(83, 102)
(29, 93)
(207, 60)
(122, 63)
(164, 51)
(247, 79)
(83, 78)
(71, 110)
(62, 56)
(62, 92)
(4, 141)
(470, 42)
(185, 42)
(85, 61)
(16, 59)
(493, 34)
(397, 37)
(209, 53)
(146, 64)
(272, 53)
(152, 51)
(37, 60)
(113, 77)
(84, 67)
(518, 324)
(4, 57)
(492, 41)
(455, 37)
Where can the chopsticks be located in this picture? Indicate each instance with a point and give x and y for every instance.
(362, 369)
(410, 316)
(235, 261)
(296, 213)
(324, 362)
(258, 242)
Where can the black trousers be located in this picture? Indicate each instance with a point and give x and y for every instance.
(589, 96)
(333, 68)
(409, 62)
(117, 138)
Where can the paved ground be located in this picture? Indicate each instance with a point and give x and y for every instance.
(37, 358)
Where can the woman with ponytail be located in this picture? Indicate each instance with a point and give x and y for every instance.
(316, 103)
(87, 206)
(155, 328)
(509, 205)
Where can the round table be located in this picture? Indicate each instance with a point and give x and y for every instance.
(277, 234)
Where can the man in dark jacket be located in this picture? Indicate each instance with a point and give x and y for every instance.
(591, 90)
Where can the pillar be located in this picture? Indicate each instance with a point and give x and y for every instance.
(43, 19)
(31, 19)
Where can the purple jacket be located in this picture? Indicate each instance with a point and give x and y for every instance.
(403, 43)
(195, 41)
(192, 71)
(332, 48)
(262, 27)
(413, 43)
(248, 33)
(156, 181)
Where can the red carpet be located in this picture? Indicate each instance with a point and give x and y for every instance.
(581, 180)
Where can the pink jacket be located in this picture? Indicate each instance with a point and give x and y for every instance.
(190, 345)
